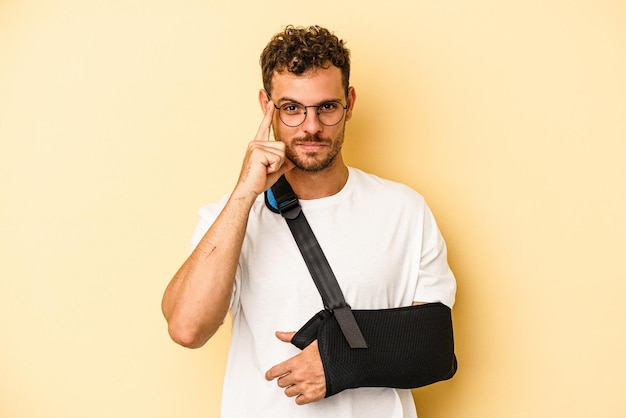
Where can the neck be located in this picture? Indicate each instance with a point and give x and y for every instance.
(314, 185)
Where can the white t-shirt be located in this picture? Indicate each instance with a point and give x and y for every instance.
(386, 251)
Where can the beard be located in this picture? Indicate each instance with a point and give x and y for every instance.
(312, 161)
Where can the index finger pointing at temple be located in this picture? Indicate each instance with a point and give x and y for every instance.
(264, 130)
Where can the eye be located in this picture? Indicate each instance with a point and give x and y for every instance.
(291, 109)
(328, 107)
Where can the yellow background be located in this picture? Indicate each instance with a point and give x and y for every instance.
(119, 119)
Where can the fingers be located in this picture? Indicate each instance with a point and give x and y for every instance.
(263, 133)
(302, 376)
(284, 367)
(278, 370)
(285, 336)
(278, 168)
(275, 157)
(300, 385)
(264, 162)
(285, 165)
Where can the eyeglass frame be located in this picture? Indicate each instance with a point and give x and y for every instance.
(343, 113)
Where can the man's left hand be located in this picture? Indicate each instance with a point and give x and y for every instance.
(302, 376)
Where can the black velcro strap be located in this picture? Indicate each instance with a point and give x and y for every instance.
(316, 262)
(349, 327)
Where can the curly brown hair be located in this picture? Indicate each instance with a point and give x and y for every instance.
(299, 49)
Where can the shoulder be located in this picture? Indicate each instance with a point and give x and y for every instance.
(210, 211)
(384, 190)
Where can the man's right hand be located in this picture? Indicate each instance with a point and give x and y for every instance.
(264, 162)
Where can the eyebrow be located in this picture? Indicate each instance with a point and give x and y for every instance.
(283, 100)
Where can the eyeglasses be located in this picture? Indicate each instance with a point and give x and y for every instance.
(294, 114)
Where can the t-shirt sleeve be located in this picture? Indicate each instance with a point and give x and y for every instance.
(436, 282)
(207, 214)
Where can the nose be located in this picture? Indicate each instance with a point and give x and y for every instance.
(311, 124)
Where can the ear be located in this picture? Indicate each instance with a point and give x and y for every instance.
(351, 100)
(264, 99)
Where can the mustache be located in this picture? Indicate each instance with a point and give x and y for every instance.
(310, 139)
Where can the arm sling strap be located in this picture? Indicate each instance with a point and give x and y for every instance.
(406, 347)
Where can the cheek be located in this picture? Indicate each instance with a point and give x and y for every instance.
(282, 137)
(283, 133)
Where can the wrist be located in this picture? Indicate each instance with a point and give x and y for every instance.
(244, 195)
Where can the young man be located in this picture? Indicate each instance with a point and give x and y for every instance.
(380, 239)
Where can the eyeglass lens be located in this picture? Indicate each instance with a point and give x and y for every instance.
(294, 114)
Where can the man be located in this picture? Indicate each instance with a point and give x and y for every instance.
(379, 237)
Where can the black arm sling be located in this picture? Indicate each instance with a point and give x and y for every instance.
(405, 347)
